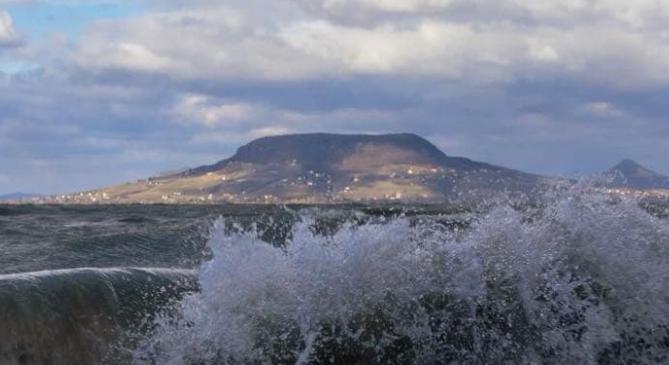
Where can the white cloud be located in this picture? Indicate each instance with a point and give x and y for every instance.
(192, 44)
(8, 35)
(137, 56)
(638, 13)
(303, 49)
(602, 109)
(353, 7)
(269, 131)
(390, 5)
(203, 110)
(428, 48)
(542, 52)
(569, 39)
(491, 52)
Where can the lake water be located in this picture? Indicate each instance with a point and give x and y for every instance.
(579, 278)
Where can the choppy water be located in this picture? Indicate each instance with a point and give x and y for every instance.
(579, 278)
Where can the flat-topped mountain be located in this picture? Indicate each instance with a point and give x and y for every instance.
(326, 168)
(630, 174)
(337, 152)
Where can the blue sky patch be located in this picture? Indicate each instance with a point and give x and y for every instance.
(38, 19)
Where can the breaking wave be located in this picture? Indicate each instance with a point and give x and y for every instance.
(583, 278)
(81, 316)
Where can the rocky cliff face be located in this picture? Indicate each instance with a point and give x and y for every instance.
(328, 168)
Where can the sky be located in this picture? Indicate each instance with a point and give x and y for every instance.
(99, 92)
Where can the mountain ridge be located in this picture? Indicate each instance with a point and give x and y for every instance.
(630, 174)
(324, 142)
(325, 168)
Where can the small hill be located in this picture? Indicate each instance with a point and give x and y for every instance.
(326, 168)
(14, 197)
(630, 174)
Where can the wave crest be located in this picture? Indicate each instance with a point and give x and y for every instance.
(583, 279)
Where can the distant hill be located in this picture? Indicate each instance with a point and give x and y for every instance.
(326, 168)
(630, 174)
(18, 196)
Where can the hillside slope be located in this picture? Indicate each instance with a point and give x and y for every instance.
(630, 174)
(326, 168)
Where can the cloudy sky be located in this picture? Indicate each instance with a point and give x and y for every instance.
(99, 92)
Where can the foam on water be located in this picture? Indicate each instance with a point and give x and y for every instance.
(111, 271)
(584, 279)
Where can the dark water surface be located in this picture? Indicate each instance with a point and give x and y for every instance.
(34, 238)
(580, 278)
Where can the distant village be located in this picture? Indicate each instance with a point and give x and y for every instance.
(331, 197)
(313, 179)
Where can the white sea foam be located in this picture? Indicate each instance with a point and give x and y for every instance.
(93, 270)
(585, 279)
